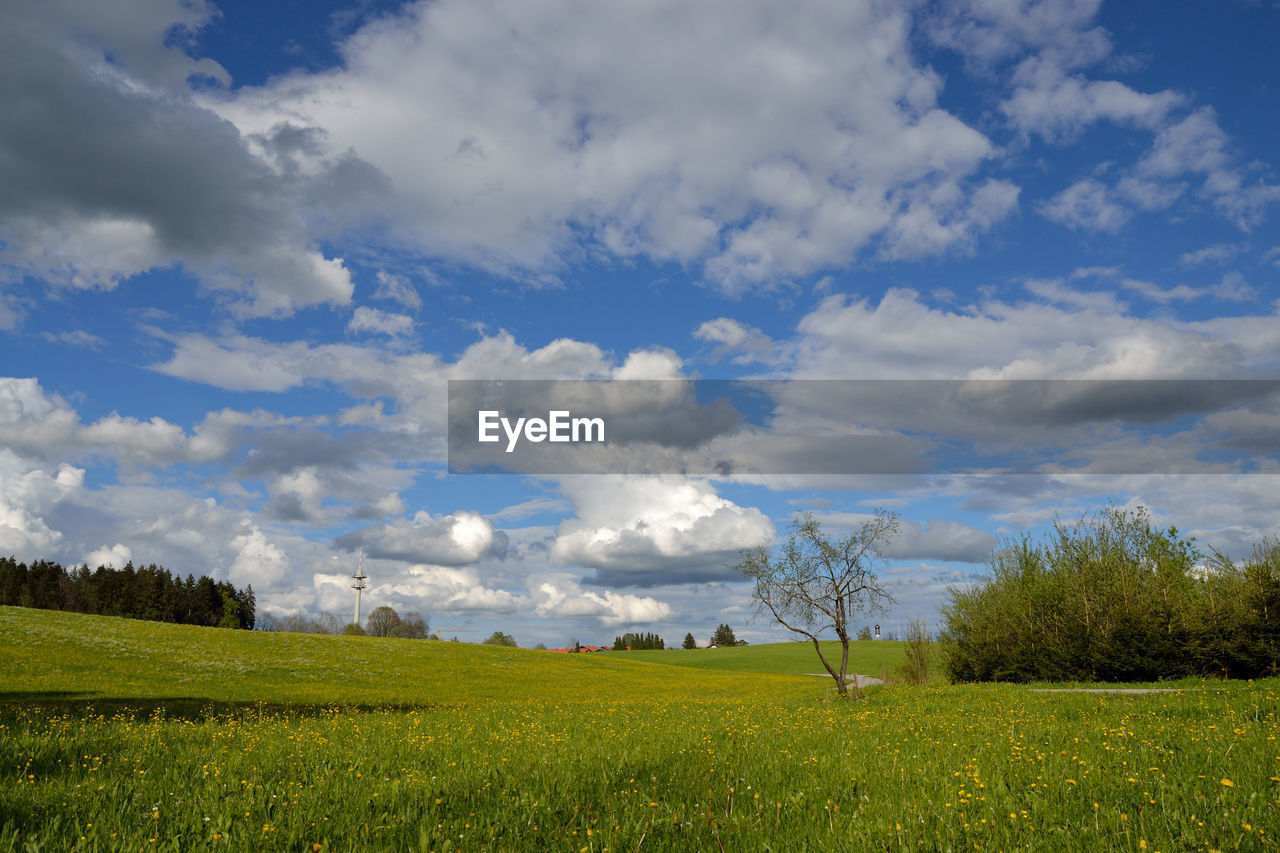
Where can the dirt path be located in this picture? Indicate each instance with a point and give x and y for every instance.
(863, 680)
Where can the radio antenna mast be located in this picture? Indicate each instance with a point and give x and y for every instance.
(359, 578)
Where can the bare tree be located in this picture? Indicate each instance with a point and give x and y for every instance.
(298, 623)
(382, 622)
(814, 584)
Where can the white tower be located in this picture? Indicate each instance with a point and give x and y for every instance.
(359, 584)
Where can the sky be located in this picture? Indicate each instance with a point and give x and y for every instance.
(245, 246)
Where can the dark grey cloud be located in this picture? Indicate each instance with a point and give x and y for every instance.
(950, 541)
(110, 167)
(460, 539)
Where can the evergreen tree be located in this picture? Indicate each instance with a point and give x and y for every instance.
(723, 636)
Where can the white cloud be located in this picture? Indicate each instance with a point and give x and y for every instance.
(610, 608)
(44, 425)
(1189, 149)
(397, 288)
(258, 560)
(27, 495)
(745, 343)
(1218, 253)
(437, 589)
(624, 123)
(116, 556)
(851, 338)
(987, 32)
(1059, 107)
(645, 531)
(79, 339)
(373, 321)
(1087, 204)
(457, 539)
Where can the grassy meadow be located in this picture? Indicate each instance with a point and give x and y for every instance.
(866, 657)
(122, 735)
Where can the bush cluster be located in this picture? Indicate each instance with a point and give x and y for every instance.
(1115, 599)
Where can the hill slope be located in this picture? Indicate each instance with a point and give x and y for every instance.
(55, 656)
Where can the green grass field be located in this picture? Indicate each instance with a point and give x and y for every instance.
(867, 658)
(120, 735)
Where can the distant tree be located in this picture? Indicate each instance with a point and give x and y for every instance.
(723, 636)
(497, 638)
(864, 633)
(329, 623)
(230, 610)
(638, 642)
(815, 584)
(299, 623)
(265, 621)
(412, 627)
(248, 608)
(689, 641)
(541, 646)
(353, 630)
(382, 622)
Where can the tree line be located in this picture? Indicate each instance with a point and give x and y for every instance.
(1114, 598)
(149, 592)
(638, 642)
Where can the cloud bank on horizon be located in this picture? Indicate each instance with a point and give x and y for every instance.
(243, 252)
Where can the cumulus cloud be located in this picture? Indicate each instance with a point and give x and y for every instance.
(458, 539)
(439, 589)
(1059, 107)
(1046, 50)
(119, 171)
(851, 338)
(28, 494)
(257, 561)
(987, 32)
(117, 556)
(1190, 158)
(43, 425)
(610, 608)
(620, 123)
(646, 531)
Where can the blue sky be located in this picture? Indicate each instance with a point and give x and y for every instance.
(243, 247)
